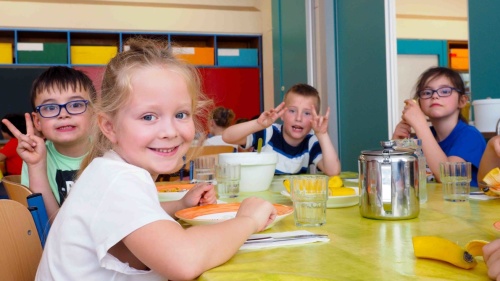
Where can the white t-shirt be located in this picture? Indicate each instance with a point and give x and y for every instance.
(217, 140)
(110, 200)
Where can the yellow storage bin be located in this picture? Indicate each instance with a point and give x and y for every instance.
(92, 54)
(6, 53)
(459, 59)
(196, 55)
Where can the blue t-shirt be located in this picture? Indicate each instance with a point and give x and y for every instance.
(291, 159)
(466, 142)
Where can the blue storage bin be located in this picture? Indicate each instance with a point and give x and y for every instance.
(237, 57)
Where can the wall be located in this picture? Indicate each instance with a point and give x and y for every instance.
(432, 19)
(361, 78)
(193, 16)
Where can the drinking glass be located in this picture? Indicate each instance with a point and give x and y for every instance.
(204, 169)
(455, 179)
(309, 196)
(228, 180)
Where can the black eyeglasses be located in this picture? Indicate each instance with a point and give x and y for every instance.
(442, 92)
(50, 110)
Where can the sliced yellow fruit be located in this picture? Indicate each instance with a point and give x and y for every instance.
(341, 191)
(335, 182)
(475, 247)
(492, 178)
(286, 183)
(437, 248)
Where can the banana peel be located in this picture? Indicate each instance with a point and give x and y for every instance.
(475, 247)
(437, 248)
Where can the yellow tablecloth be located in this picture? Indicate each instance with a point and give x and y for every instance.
(366, 249)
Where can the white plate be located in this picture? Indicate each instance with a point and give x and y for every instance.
(171, 196)
(210, 214)
(337, 201)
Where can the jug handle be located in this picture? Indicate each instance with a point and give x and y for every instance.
(386, 172)
(498, 127)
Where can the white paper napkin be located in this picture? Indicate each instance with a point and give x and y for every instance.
(285, 242)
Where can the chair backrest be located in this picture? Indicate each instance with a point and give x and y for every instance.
(205, 150)
(15, 190)
(20, 248)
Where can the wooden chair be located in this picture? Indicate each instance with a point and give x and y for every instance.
(20, 248)
(15, 190)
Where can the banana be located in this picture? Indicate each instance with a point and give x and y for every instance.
(433, 247)
(475, 247)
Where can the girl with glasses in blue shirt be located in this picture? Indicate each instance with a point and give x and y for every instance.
(439, 97)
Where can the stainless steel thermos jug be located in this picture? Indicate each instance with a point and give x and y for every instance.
(389, 183)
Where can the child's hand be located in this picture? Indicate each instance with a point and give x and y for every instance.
(402, 131)
(267, 118)
(201, 194)
(413, 115)
(491, 255)
(260, 210)
(495, 142)
(320, 123)
(30, 147)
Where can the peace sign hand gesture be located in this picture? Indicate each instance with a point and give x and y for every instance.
(30, 147)
(267, 118)
(320, 123)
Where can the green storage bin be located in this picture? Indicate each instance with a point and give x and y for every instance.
(46, 53)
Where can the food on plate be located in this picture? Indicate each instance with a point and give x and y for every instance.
(475, 247)
(336, 187)
(173, 186)
(437, 248)
(335, 182)
(286, 183)
(341, 191)
(492, 178)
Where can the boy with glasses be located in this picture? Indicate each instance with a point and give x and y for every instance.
(61, 98)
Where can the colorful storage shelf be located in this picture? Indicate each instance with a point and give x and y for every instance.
(196, 55)
(92, 54)
(459, 59)
(237, 57)
(6, 53)
(43, 53)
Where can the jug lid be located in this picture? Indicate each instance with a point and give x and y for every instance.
(388, 149)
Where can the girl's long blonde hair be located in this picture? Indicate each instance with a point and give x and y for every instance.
(116, 87)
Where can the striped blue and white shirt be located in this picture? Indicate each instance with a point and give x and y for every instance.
(291, 159)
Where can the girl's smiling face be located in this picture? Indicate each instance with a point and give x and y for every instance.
(155, 128)
(437, 107)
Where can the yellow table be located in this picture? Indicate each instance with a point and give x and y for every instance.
(366, 249)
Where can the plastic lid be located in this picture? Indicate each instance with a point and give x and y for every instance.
(486, 101)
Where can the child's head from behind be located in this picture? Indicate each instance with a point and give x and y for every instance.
(17, 120)
(150, 107)
(300, 102)
(441, 83)
(222, 117)
(62, 98)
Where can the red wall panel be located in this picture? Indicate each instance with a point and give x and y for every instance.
(235, 88)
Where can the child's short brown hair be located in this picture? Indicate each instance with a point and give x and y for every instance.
(305, 90)
(62, 78)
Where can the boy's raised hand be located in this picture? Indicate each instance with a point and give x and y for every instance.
(267, 118)
(320, 123)
(30, 147)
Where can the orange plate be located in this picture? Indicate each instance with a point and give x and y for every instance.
(190, 215)
(173, 186)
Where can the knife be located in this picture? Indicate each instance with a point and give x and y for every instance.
(266, 239)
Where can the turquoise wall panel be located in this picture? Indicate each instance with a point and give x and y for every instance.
(425, 47)
(484, 46)
(362, 79)
(289, 45)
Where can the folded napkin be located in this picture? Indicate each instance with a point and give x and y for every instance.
(268, 244)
